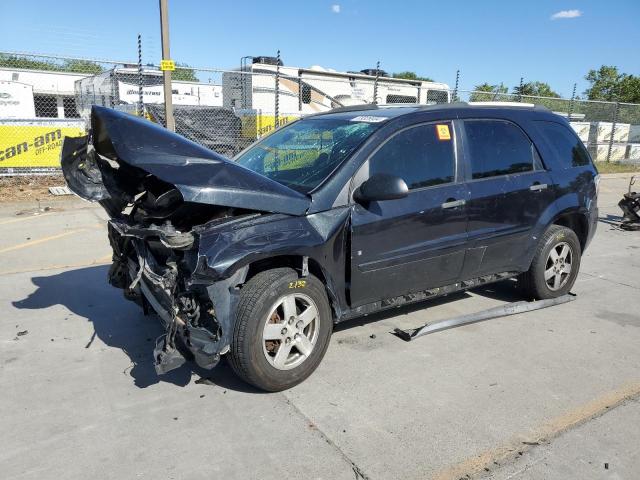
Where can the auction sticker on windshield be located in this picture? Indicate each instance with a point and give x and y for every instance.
(443, 132)
(368, 119)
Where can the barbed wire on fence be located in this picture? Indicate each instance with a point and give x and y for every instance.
(45, 97)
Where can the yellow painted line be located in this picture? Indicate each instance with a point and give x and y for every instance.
(553, 428)
(40, 240)
(26, 217)
(106, 260)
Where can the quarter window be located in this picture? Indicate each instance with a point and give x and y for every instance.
(497, 148)
(567, 145)
(422, 156)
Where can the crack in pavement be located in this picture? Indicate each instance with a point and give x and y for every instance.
(600, 277)
(357, 470)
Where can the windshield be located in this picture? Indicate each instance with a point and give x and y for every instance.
(304, 153)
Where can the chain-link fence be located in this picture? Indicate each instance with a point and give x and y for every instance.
(44, 98)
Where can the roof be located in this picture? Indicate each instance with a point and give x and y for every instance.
(453, 109)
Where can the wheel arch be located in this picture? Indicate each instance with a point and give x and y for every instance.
(575, 221)
(297, 262)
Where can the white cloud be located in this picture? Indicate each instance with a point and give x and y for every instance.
(566, 14)
(335, 8)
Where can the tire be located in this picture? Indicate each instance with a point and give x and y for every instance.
(255, 348)
(547, 276)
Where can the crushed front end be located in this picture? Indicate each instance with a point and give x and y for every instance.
(157, 267)
(165, 196)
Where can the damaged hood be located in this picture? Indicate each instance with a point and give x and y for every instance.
(199, 174)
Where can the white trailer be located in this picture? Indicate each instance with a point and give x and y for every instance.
(251, 92)
(52, 92)
(16, 100)
(119, 86)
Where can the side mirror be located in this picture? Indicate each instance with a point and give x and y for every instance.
(381, 186)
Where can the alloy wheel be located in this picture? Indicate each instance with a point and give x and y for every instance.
(291, 331)
(558, 267)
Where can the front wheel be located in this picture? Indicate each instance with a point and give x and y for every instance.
(555, 264)
(282, 331)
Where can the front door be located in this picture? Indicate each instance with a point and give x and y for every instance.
(417, 242)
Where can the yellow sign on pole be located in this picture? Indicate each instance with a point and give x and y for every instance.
(167, 65)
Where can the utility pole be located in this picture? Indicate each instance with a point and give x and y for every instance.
(166, 70)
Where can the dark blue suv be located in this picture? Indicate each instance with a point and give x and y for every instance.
(334, 216)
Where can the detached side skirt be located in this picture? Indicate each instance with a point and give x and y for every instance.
(491, 313)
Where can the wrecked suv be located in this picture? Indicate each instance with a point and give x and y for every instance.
(334, 216)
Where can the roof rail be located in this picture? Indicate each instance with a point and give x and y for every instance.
(502, 104)
(350, 108)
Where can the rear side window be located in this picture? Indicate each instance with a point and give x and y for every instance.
(497, 148)
(568, 147)
(422, 156)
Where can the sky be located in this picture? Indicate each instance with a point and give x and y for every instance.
(494, 41)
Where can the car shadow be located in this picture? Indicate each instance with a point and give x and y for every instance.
(397, 311)
(118, 323)
(505, 291)
(121, 324)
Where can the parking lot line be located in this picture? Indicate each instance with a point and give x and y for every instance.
(520, 443)
(28, 217)
(40, 240)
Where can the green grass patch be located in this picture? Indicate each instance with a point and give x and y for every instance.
(617, 167)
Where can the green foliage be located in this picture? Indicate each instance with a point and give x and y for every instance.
(411, 76)
(630, 89)
(608, 84)
(493, 93)
(184, 73)
(26, 63)
(535, 89)
(82, 66)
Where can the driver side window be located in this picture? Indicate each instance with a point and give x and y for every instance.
(423, 156)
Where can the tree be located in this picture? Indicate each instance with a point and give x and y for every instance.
(604, 83)
(184, 73)
(493, 93)
(411, 76)
(630, 89)
(26, 63)
(81, 66)
(610, 85)
(535, 89)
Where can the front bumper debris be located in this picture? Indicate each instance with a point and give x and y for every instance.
(196, 313)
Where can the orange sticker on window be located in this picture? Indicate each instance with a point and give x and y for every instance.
(443, 132)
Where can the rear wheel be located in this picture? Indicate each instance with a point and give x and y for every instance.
(282, 330)
(555, 264)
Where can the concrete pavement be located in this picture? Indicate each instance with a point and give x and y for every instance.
(548, 394)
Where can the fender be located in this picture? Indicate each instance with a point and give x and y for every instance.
(322, 237)
(563, 205)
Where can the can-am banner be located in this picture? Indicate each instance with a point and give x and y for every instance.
(35, 144)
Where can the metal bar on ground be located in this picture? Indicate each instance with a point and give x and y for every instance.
(491, 313)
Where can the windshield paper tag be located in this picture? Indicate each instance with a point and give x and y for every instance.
(368, 119)
(443, 132)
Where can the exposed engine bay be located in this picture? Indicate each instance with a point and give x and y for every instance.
(166, 196)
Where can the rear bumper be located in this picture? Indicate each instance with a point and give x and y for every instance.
(593, 225)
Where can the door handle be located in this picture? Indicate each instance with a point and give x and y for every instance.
(536, 187)
(451, 203)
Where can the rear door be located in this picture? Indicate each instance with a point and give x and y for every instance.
(509, 189)
(417, 242)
